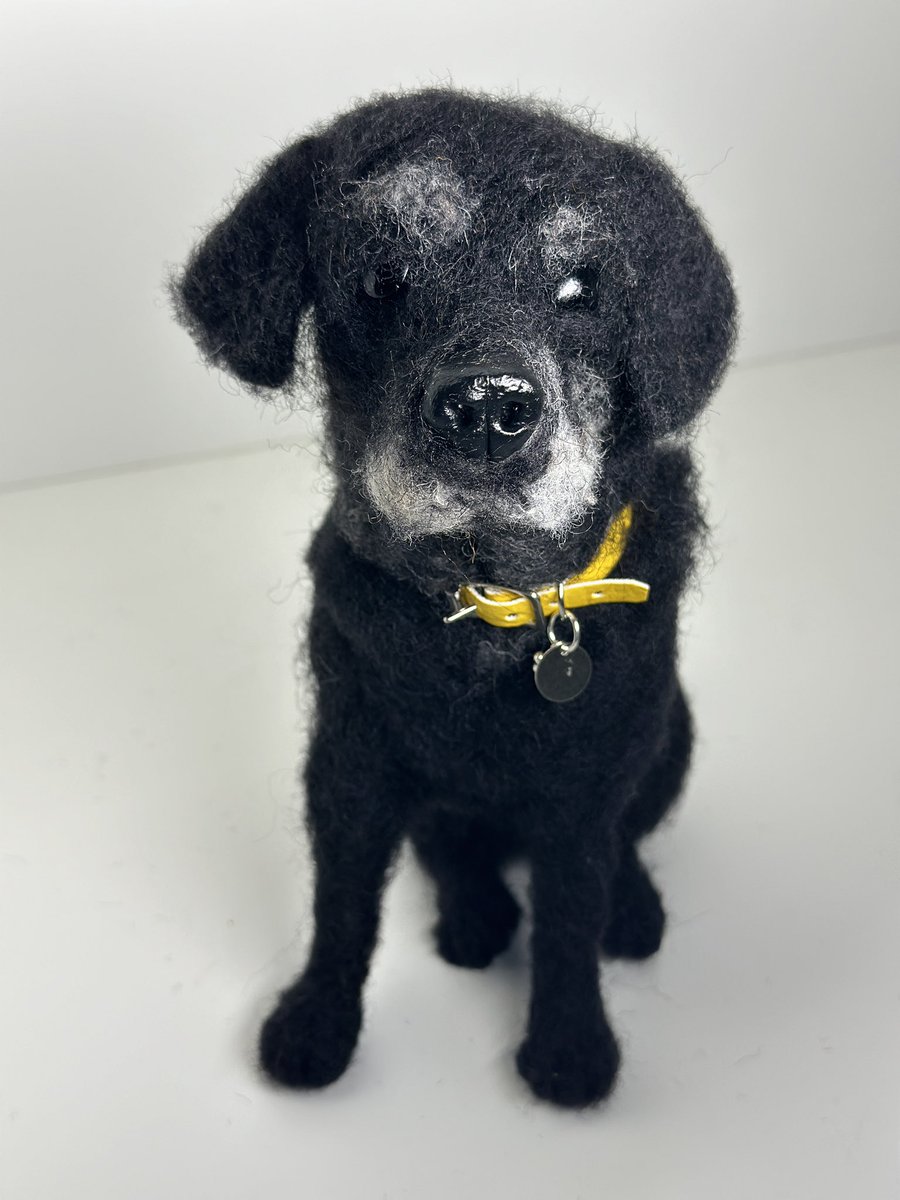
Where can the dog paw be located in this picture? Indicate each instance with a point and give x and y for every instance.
(571, 1071)
(472, 934)
(637, 921)
(309, 1038)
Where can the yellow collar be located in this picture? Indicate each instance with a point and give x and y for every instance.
(506, 609)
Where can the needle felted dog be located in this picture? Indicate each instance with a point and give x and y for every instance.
(509, 317)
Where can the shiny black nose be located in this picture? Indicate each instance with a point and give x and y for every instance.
(483, 412)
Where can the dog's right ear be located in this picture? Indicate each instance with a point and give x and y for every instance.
(244, 287)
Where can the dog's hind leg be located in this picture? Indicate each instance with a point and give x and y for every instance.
(477, 915)
(354, 816)
(662, 784)
(636, 917)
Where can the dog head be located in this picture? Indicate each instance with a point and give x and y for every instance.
(500, 302)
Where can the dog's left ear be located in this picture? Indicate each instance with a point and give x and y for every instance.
(244, 288)
(683, 312)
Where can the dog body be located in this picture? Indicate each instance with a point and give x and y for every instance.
(512, 319)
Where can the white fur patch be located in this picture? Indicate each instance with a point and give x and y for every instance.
(565, 491)
(428, 200)
(414, 502)
(569, 233)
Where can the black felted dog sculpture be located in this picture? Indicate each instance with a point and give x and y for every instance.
(510, 318)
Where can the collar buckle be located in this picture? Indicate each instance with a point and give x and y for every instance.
(460, 610)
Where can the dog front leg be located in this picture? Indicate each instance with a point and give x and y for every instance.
(569, 1055)
(355, 830)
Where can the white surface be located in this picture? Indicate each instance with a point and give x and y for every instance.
(152, 878)
(125, 126)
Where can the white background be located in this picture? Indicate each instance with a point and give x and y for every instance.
(126, 125)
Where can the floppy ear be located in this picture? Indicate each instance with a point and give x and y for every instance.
(244, 287)
(683, 313)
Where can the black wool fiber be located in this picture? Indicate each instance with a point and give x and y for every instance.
(499, 245)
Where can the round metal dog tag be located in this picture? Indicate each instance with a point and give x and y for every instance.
(561, 673)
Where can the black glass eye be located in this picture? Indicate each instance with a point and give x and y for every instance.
(578, 290)
(386, 282)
